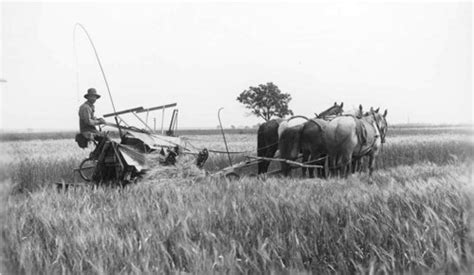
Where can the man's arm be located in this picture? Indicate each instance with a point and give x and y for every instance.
(85, 114)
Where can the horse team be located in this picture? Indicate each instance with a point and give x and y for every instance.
(333, 141)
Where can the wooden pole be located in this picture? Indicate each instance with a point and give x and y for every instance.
(162, 119)
(223, 135)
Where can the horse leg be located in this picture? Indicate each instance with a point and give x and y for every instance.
(361, 165)
(333, 166)
(261, 152)
(263, 165)
(337, 166)
(285, 168)
(330, 165)
(371, 164)
(306, 156)
(265, 148)
(342, 166)
(267, 153)
(311, 170)
(356, 165)
(320, 172)
(345, 163)
(325, 172)
(348, 166)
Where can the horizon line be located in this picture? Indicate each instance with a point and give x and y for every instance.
(241, 127)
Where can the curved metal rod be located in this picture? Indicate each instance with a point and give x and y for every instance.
(97, 57)
(77, 63)
(297, 117)
(223, 135)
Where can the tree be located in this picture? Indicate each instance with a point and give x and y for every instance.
(266, 101)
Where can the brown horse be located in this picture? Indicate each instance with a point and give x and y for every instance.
(313, 146)
(348, 137)
(267, 142)
(290, 138)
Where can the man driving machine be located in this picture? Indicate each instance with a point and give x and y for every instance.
(87, 120)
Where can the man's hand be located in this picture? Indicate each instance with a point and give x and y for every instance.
(101, 121)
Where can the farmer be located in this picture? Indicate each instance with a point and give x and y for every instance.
(87, 120)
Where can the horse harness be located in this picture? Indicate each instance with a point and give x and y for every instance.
(369, 148)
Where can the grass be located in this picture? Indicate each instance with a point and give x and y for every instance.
(416, 222)
(417, 216)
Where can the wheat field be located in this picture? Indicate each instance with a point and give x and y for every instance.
(416, 216)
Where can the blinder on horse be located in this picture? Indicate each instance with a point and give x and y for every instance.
(382, 131)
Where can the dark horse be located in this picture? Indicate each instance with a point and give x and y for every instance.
(267, 142)
(289, 139)
(313, 146)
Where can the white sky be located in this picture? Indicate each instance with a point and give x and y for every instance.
(413, 59)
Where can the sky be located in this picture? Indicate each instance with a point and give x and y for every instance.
(414, 59)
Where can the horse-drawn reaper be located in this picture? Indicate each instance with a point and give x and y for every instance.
(122, 162)
(321, 144)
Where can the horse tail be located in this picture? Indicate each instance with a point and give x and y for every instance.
(282, 127)
(262, 149)
(289, 142)
(260, 142)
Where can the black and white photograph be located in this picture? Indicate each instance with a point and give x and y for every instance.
(240, 137)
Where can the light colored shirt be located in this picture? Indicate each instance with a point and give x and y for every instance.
(87, 120)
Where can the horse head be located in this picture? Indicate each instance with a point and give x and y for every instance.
(380, 122)
(360, 112)
(334, 110)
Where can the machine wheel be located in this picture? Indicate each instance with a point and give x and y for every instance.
(87, 169)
